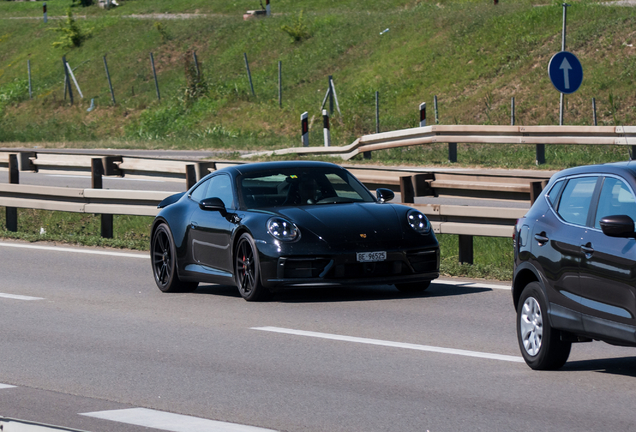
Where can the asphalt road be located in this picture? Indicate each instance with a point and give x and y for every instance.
(85, 333)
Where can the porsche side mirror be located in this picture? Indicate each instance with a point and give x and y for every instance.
(618, 226)
(212, 204)
(384, 195)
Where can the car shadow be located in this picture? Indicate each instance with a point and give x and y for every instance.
(318, 294)
(624, 366)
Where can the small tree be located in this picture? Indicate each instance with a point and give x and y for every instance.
(72, 34)
(299, 31)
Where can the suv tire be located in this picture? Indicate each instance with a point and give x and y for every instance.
(540, 344)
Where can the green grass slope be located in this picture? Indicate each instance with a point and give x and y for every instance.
(472, 55)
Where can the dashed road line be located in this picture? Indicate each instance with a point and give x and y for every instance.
(391, 344)
(19, 297)
(171, 422)
(6, 386)
(74, 250)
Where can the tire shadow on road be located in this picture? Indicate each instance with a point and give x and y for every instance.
(624, 366)
(317, 294)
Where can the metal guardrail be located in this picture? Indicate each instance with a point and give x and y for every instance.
(559, 135)
(120, 166)
(445, 219)
(76, 200)
(465, 221)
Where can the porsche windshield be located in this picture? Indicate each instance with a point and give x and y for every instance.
(301, 187)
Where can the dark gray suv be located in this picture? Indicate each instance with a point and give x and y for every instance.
(575, 264)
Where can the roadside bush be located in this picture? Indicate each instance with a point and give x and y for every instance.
(299, 31)
(72, 33)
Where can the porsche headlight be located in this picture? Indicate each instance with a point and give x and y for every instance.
(282, 229)
(418, 221)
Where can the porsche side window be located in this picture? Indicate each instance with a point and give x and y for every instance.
(575, 200)
(616, 199)
(199, 193)
(221, 187)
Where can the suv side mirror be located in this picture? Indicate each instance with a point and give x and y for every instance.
(384, 195)
(618, 226)
(212, 204)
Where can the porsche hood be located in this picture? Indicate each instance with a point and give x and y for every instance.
(361, 223)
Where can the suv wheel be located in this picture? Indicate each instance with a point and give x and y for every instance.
(540, 344)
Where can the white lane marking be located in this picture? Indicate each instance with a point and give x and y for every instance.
(463, 284)
(5, 386)
(85, 251)
(171, 422)
(19, 297)
(379, 342)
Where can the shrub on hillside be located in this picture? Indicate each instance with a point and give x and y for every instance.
(196, 86)
(299, 31)
(73, 35)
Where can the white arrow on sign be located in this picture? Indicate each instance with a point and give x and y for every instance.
(565, 65)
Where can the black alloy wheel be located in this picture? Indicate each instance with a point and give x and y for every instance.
(247, 270)
(541, 345)
(164, 262)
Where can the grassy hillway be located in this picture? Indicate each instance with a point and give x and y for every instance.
(473, 55)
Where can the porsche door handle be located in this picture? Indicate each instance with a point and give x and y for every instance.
(541, 238)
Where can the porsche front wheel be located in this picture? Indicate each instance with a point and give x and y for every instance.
(248, 271)
(164, 262)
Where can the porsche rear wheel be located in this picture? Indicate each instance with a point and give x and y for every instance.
(413, 287)
(248, 270)
(164, 262)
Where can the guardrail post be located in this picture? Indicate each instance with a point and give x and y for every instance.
(304, 128)
(191, 176)
(535, 190)
(109, 163)
(422, 185)
(14, 178)
(406, 189)
(452, 152)
(25, 163)
(97, 171)
(325, 128)
(540, 151)
(465, 249)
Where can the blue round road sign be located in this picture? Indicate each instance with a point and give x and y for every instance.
(566, 72)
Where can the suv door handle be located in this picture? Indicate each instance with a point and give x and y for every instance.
(541, 238)
(587, 249)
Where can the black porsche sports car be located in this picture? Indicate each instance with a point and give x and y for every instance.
(269, 226)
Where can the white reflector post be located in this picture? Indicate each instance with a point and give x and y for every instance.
(44, 10)
(268, 8)
(325, 127)
(304, 125)
(423, 114)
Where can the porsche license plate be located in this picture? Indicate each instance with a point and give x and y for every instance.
(371, 256)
